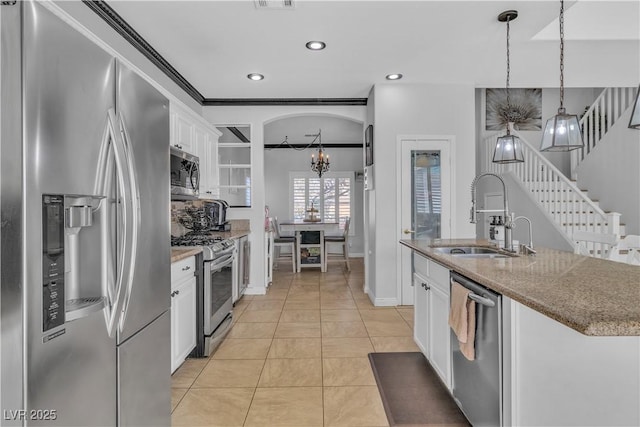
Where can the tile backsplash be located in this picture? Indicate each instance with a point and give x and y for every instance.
(177, 209)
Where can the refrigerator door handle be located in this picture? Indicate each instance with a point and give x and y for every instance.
(114, 153)
(135, 214)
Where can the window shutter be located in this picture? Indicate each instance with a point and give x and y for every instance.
(344, 199)
(330, 195)
(299, 198)
(329, 200)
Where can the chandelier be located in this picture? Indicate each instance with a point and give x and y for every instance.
(321, 164)
(508, 147)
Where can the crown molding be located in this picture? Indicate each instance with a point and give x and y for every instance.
(210, 102)
(111, 17)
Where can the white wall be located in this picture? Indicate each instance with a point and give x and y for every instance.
(545, 232)
(412, 109)
(370, 212)
(278, 164)
(257, 117)
(611, 173)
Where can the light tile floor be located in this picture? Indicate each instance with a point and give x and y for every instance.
(296, 356)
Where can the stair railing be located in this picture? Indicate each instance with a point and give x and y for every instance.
(569, 207)
(598, 119)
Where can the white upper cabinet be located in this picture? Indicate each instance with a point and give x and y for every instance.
(207, 151)
(193, 134)
(182, 129)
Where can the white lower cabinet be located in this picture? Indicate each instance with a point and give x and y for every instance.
(183, 311)
(421, 313)
(439, 346)
(431, 311)
(556, 376)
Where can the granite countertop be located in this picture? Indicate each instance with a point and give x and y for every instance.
(178, 253)
(590, 295)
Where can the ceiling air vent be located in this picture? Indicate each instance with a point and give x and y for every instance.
(274, 4)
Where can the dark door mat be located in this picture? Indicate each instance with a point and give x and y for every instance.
(412, 393)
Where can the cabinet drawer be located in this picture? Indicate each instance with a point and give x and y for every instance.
(420, 281)
(420, 265)
(439, 275)
(431, 270)
(182, 269)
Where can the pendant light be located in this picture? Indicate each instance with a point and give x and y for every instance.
(634, 123)
(562, 132)
(508, 147)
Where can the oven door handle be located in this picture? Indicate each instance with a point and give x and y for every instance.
(222, 262)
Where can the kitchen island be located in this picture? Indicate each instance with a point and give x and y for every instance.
(570, 333)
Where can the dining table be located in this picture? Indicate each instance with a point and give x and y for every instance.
(309, 241)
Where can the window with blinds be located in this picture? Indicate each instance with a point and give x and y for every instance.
(427, 194)
(331, 196)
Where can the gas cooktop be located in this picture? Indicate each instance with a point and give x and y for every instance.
(210, 243)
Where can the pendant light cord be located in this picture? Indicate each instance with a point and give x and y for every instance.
(508, 75)
(561, 19)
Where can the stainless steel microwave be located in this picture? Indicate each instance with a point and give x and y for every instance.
(185, 175)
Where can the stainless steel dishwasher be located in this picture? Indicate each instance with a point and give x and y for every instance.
(477, 384)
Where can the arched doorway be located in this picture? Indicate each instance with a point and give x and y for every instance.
(287, 165)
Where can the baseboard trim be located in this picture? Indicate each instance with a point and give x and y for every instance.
(385, 302)
(255, 291)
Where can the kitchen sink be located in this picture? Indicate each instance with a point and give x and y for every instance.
(472, 252)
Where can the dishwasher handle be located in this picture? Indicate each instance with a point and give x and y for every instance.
(481, 300)
(477, 292)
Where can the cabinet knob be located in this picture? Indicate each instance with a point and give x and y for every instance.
(208, 192)
(425, 286)
(186, 268)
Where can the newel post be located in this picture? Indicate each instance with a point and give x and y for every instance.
(613, 221)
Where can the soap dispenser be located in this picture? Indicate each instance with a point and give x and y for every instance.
(492, 227)
(499, 232)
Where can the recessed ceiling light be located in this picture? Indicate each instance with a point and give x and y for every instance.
(255, 76)
(394, 76)
(316, 45)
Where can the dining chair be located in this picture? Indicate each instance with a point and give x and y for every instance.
(342, 240)
(280, 241)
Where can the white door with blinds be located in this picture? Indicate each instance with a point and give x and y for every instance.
(331, 195)
(425, 174)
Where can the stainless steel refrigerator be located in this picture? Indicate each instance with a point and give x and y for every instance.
(85, 256)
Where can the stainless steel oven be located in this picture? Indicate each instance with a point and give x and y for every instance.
(218, 290)
(214, 291)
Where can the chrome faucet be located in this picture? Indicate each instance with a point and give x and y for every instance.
(508, 222)
(526, 249)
